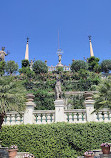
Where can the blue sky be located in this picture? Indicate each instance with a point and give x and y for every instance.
(40, 21)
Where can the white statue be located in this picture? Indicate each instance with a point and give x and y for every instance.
(58, 89)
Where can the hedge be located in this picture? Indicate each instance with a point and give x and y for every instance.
(57, 140)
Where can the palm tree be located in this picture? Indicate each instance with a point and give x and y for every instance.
(12, 96)
(103, 97)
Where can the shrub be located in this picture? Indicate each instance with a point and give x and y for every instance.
(78, 64)
(40, 67)
(57, 140)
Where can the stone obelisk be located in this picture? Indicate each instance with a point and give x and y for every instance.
(91, 49)
(27, 50)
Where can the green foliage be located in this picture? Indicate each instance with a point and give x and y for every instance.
(44, 100)
(39, 67)
(77, 101)
(25, 63)
(12, 95)
(43, 91)
(59, 69)
(84, 83)
(78, 64)
(106, 66)
(2, 67)
(60, 140)
(27, 72)
(103, 97)
(93, 64)
(11, 67)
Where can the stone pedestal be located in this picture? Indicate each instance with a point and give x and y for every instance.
(89, 109)
(105, 155)
(59, 110)
(28, 114)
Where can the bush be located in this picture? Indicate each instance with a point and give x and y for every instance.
(25, 63)
(40, 67)
(58, 140)
(106, 66)
(11, 67)
(78, 64)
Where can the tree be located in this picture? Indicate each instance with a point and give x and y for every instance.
(25, 63)
(59, 69)
(2, 68)
(103, 97)
(11, 67)
(27, 72)
(93, 64)
(78, 64)
(12, 95)
(106, 66)
(39, 67)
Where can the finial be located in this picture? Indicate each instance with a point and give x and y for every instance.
(27, 39)
(3, 48)
(89, 37)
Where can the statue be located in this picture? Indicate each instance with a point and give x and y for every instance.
(58, 91)
(2, 54)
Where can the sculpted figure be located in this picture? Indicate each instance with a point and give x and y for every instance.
(58, 89)
(2, 54)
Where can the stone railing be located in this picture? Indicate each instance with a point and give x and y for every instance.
(44, 116)
(31, 116)
(103, 115)
(13, 118)
(54, 68)
(75, 116)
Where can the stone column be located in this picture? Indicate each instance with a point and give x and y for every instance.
(59, 110)
(28, 114)
(89, 103)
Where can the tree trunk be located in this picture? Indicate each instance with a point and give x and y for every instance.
(1, 119)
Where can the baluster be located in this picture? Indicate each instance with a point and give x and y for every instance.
(50, 117)
(108, 115)
(77, 116)
(46, 118)
(15, 118)
(72, 117)
(10, 118)
(21, 118)
(68, 117)
(82, 116)
(41, 117)
(97, 114)
(102, 114)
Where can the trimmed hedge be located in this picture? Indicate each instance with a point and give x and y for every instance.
(57, 140)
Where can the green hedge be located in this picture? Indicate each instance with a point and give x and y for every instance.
(57, 140)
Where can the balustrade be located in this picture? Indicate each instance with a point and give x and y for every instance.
(44, 116)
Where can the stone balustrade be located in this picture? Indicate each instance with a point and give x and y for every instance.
(103, 115)
(13, 118)
(54, 68)
(44, 116)
(75, 116)
(31, 116)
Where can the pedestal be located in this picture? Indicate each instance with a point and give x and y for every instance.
(59, 110)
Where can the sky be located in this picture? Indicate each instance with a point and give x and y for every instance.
(40, 20)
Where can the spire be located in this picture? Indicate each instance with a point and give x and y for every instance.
(59, 52)
(27, 50)
(91, 49)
